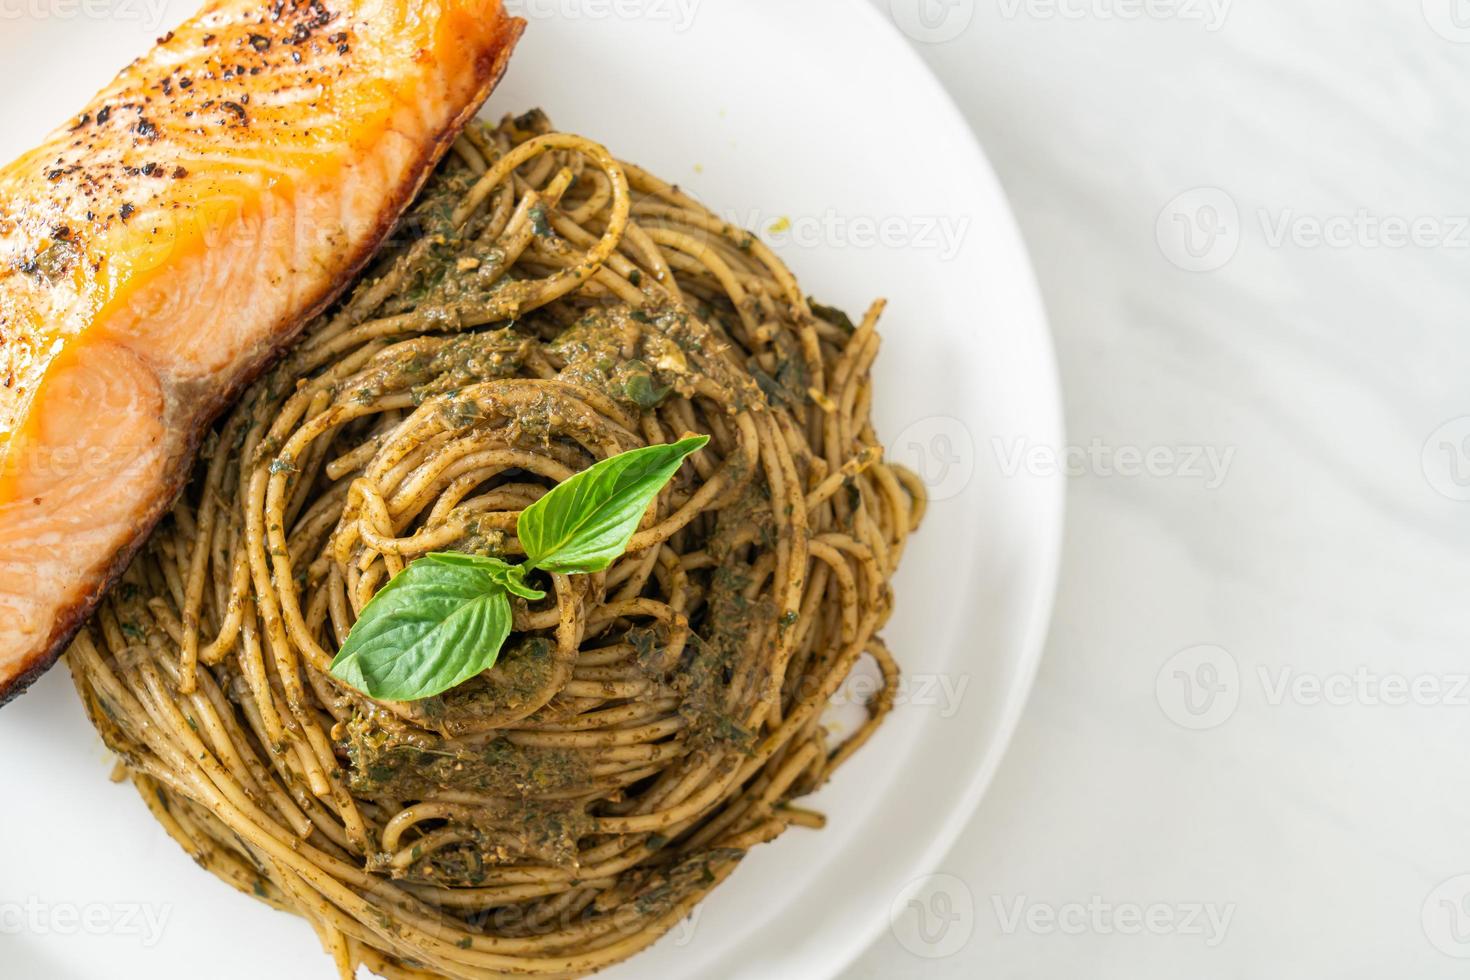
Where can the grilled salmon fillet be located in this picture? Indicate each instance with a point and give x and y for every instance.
(163, 245)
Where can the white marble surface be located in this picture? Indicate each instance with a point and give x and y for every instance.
(1319, 806)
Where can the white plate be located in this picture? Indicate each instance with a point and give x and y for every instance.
(814, 111)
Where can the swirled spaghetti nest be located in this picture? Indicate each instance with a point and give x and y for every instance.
(543, 306)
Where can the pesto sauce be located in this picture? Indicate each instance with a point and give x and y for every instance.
(412, 765)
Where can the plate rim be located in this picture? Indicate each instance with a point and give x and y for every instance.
(1044, 591)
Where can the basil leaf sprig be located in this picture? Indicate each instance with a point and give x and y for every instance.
(445, 617)
(586, 522)
(435, 625)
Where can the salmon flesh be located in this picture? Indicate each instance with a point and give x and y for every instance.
(166, 243)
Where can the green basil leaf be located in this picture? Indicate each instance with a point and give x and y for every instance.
(586, 522)
(434, 626)
(511, 578)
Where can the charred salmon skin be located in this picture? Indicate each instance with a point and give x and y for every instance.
(166, 243)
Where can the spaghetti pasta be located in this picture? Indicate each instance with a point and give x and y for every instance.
(543, 306)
